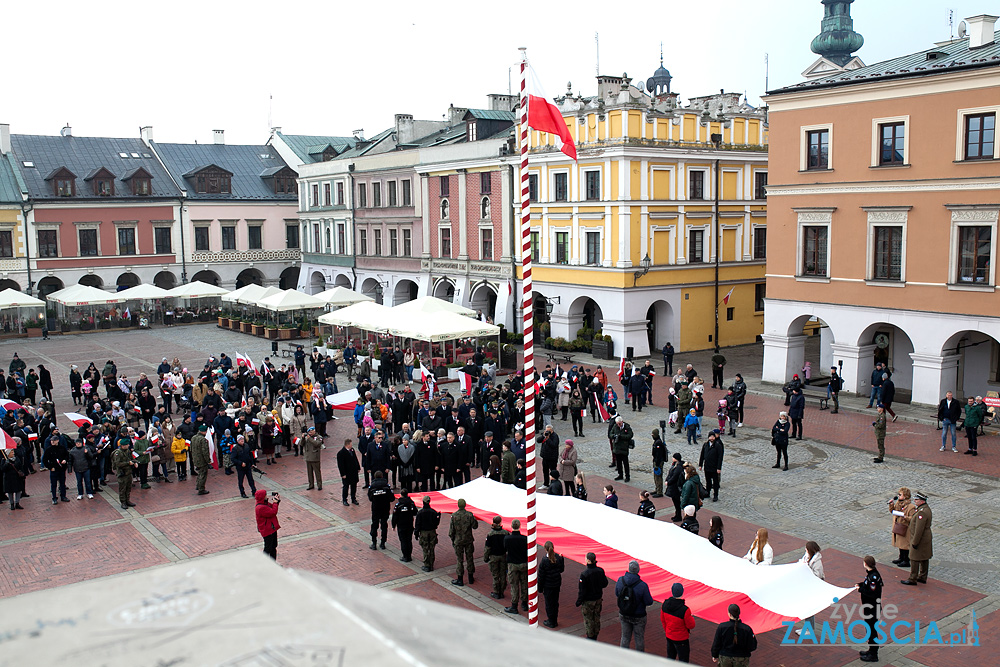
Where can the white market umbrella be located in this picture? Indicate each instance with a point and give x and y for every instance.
(196, 290)
(290, 300)
(144, 291)
(366, 315)
(11, 298)
(442, 327)
(83, 295)
(234, 296)
(342, 296)
(252, 296)
(431, 305)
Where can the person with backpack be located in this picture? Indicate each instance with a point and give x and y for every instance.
(677, 624)
(633, 598)
(734, 641)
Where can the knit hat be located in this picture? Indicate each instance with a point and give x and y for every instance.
(689, 510)
(677, 456)
(633, 567)
(677, 590)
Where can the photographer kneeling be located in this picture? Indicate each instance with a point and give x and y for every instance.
(267, 520)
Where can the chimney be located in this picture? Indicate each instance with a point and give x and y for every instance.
(359, 134)
(981, 30)
(455, 114)
(146, 134)
(66, 131)
(404, 128)
(498, 102)
(219, 136)
(4, 138)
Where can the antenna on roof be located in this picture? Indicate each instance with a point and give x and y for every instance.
(270, 106)
(951, 24)
(597, 45)
(767, 72)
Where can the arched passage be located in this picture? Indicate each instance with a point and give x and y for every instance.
(342, 281)
(126, 280)
(289, 278)
(659, 325)
(209, 277)
(317, 283)
(484, 298)
(817, 349)
(977, 367)
(444, 289)
(584, 313)
(9, 284)
(93, 280)
(892, 346)
(165, 280)
(48, 285)
(248, 276)
(371, 287)
(540, 315)
(405, 290)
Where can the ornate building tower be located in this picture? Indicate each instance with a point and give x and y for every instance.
(836, 43)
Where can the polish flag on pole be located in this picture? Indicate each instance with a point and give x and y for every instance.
(466, 381)
(545, 116)
(602, 409)
(213, 452)
(621, 368)
(6, 442)
(127, 315)
(725, 299)
(78, 419)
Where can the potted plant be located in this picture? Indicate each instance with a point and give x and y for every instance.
(65, 325)
(124, 323)
(286, 331)
(203, 316)
(188, 317)
(256, 328)
(603, 347)
(34, 328)
(270, 332)
(224, 320)
(105, 324)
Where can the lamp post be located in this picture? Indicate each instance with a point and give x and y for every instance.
(645, 263)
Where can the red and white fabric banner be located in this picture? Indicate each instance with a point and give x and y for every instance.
(213, 452)
(78, 419)
(345, 400)
(6, 441)
(712, 579)
(8, 405)
(545, 116)
(466, 381)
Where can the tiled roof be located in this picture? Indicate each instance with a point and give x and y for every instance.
(81, 155)
(246, 163)
(937, 60)
(382, 142)
(450, 135)
(308, 147)
(10, 185)
(491, 114)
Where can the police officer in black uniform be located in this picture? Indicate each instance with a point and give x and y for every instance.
(871, 606)
(403, 514)
(381, 496)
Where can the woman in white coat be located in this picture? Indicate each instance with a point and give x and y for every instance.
(760, 552)
(814, 559)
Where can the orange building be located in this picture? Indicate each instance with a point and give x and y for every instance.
(883, 204)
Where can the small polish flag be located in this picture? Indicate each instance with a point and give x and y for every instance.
(297, 441)
(602, 411)
(243, 402)
(621, 367)
(78, 419)
(154, 437)
(137, 410)
(212, 451)
(255, 421)
(545, 116)
(255, 455)
(135, 454)
(32, 436)
(725, 299)
(250, 365)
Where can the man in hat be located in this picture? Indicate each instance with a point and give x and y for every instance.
(496, 557)
(242, 458)
(201, 458)
(426, 526)
(677, 624)
(312, 445)
(122, 463)
(921, 544)
(463, 522)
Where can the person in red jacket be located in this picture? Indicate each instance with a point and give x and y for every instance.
(677, 624)
(267, 521)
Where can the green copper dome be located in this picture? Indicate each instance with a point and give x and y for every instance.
(837, 41)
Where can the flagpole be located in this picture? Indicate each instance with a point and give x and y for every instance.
(529, 357)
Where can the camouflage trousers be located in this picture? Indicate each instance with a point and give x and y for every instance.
(592, 617)
(729, 661)
(517, 575)
(465, 555)
(498, 568)
(428, 539)
(124, 488)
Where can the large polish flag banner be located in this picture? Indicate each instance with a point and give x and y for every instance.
(712, 578)
(545, 116)
(345, 400)
(78, 419)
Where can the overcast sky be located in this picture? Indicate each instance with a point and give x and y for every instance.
(187, 68)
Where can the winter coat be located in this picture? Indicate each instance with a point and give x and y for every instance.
(906, 506)
(779, 433)
(267, 514)
(676, 619)
(797, 406)
(641, 590)
(815, 564)
(179, 449)
(689, 492)
(567, 464)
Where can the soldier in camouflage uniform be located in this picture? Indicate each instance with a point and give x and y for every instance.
(462, 524)
(122, 463)
(426, 526)
(201, 458)
(496, 557)
(593, 581)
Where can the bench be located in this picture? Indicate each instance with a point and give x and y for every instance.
(559, 356)
(818, 396)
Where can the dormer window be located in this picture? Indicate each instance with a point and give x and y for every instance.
(102, 182)
(63, 182)
(140, 181)
(285, 185)
(211, 180)
(471, 131)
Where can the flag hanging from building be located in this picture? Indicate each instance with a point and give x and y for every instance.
(545, 116)
(725, 299)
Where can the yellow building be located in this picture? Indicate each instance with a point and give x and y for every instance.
(13, 263)
(626, 239)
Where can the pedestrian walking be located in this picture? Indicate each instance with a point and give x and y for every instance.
(463, 522)
(677, 621)
(796, 411)
(380, 496)
(734, 641)
(403, 514)
(496, 557)
(871, 606)
(888, 394)
(902, 508)
(550, 571)
(590, 595)
(879, 426)
(516, 551)
(312, 446)
(266, 512)
(633, 598)
(760, 552)
(779, 438)
(921, 541)
(876, 383)
(426, 525)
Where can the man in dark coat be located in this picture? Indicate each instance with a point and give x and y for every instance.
(349, 467)
(381, 497)
(403, 514)
(712, 453)
(888, 394)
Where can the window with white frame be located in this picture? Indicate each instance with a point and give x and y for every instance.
(560, 186)
(126, 241)
(890, 141)
(446, 242)
(486, 243)
(760, 242)
(363, 241)
(696, 184)
(562, 247)
(813, 243)
(816, 147)
(593, 249)
(328, 237)
(887, 245)
(592, 182)
(444, 209)
(973, 246)
(407, 242)
(201, 243)
(391, 188)
(378, 241)
(980, 136)
(376, 194)
(341, 239)
(696, 246)
(393, 243)
(407, 195)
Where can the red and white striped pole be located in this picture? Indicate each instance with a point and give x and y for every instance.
(529, 356)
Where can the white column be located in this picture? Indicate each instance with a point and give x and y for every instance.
(857, 367)
(783, 357)
(463, 233)
(507, 217)
(627, 333)
(562, 325)
(425, 215)
(932, 376)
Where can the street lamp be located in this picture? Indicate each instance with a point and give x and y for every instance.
(549, 303)
(645, 264)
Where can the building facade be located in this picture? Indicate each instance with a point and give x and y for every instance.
(886, 178)
(625, 240)
(103, 212)
(14, 272)
(239, 213)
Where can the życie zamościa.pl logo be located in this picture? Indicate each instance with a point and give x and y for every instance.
(847, 627)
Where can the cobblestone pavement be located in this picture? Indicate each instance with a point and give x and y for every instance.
(832, 493)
